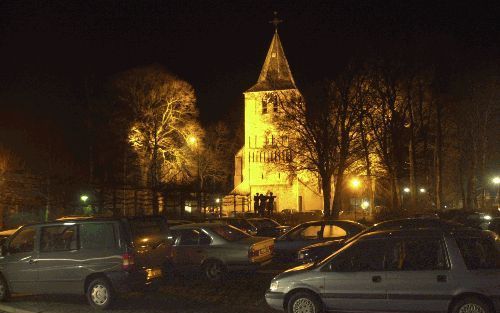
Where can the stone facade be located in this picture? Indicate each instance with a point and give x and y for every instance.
(255, 171)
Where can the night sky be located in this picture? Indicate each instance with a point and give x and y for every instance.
(49, 49)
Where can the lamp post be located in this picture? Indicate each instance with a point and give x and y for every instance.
(496, 181)
(193, 142)
(355, 185)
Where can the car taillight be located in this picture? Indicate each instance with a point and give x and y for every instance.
(253, 253)
(128, 261)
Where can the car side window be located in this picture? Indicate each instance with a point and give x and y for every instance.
(479, 253)
(205, 240)
(189, 237)
(363, 256)
(417, 254)
(24, 241)
(97, 236)
(58, 238)
(307, 233)
(333, 231)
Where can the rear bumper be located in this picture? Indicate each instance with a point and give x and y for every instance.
(275, 300)
(124, 281)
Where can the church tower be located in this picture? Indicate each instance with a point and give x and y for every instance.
(254, 172)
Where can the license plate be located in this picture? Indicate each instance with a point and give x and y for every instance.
(153, 273)
(264, 251)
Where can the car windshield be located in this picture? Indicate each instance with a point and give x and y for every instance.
(264, 223)
(229, 233)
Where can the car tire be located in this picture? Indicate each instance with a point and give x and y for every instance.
(100, 294)
(4, 290)
(471, 304)
(304, 302)
(214, 271)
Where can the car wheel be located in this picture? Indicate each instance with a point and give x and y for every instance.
(304, 302)
(4, 289)
(100, 294)
(214, 270)
(471, 305)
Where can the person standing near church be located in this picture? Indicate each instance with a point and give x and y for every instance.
(262, 205)
(256, 203)
(270, 204)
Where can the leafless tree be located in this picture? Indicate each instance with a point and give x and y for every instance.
(164, 118)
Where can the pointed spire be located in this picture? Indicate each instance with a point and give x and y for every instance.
(275, 74)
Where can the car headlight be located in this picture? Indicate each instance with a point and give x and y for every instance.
(274, 286)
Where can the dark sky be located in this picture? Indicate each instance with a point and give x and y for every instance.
(48, 49)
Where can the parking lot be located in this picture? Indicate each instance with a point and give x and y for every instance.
(190, 293)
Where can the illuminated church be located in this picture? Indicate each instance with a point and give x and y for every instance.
(254, 170)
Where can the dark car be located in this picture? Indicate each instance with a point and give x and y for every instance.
(215, 248)
(319, 251)
(267, 227)
(467, 217)
(494, 225)
(287, 245)
(95, 257)
(241, 223)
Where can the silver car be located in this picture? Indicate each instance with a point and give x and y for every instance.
(216, 248)
(425, 270)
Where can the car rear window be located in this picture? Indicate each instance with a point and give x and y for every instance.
(229, 233)
(479, 253)
(264, 223)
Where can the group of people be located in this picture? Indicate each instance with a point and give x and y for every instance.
(263, 204)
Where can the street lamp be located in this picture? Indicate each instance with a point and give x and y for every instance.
(355, 183)
(422, 190)
(84, 198)
(496, 180)
(406, 189)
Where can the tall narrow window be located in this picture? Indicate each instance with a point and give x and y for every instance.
(275, 103)
(264, 106)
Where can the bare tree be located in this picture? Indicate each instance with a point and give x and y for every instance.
(164, 117)
(322, 134)
(387, 123)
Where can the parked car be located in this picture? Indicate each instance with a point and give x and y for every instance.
(172, 223)
(267, 227)
(216, 248)
(319, 251)
(428, 270)
(95, 257)
(241, 223)
(309, 233)
(494, 225)
(466, 217)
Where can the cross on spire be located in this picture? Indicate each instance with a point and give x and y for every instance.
(276, 21)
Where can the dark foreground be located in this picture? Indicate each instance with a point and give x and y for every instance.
(242, 292)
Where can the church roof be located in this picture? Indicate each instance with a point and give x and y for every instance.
(275, 74)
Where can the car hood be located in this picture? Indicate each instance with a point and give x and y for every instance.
(296, 270)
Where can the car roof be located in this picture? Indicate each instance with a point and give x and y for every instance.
(195, 225)
(426, 232)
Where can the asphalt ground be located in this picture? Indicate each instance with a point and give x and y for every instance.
(189, 293)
